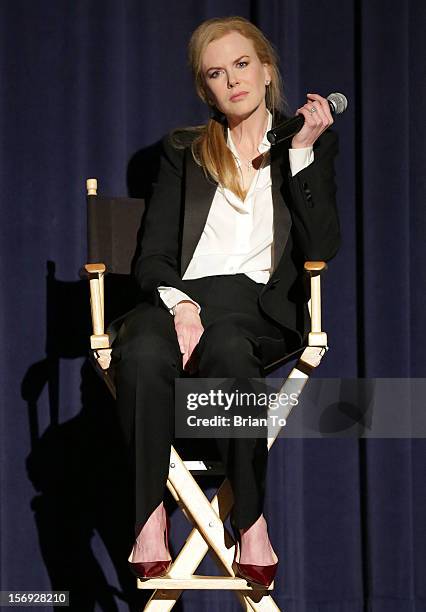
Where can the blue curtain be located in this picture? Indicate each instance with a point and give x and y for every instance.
(88, 84)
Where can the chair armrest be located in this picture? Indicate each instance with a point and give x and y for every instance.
(99, 341)
(96, 268)
(316, 336)
(95, 273)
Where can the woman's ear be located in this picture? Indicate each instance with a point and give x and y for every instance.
(267, 72)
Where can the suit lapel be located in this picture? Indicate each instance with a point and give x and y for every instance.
(282, 218)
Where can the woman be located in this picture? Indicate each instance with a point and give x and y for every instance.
(229, 227)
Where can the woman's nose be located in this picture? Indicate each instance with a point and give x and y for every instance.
(232, 80)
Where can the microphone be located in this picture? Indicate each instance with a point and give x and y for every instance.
(338, 104)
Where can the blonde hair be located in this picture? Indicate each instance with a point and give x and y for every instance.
(209, 147)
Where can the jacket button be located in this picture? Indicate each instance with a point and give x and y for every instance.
(308, 194)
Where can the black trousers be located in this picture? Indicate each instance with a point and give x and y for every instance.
(147, 359)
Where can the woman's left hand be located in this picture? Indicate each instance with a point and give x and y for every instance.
(318, 118)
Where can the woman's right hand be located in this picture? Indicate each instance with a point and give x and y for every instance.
(189, 328)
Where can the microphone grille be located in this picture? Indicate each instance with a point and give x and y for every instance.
(338, 101)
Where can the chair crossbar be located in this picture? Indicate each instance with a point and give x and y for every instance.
(209, 533)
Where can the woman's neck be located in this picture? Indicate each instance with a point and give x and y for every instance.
(247, 132)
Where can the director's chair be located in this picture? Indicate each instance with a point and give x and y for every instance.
(113, 225)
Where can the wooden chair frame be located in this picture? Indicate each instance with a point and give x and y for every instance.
(207, 518)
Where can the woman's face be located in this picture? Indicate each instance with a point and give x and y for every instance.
(234, 76)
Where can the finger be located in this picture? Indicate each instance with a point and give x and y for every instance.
(310, 131)
(305, 108)
(319, 115)
(181, 343)
(193, 341)
(310, 120)
(315, 97)
(318, 101)
(199, 333)
(324, 105)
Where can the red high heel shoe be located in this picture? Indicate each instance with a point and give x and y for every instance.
(262, 575)
(153, 569)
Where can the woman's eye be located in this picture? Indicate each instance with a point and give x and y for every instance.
(242, 64)
(214, 74)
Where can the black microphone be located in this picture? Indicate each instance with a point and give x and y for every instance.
(338, 104)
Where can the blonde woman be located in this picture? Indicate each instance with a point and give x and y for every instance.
(228, 229)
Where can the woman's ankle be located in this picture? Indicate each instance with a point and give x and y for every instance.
(255, 527)
(256, 546)
(150, 543)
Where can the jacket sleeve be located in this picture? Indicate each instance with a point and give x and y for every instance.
(313, 202)
(158, 263)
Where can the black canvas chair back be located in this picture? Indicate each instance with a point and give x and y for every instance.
(113, 227)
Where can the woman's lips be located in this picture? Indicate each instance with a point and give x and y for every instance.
(239, 95)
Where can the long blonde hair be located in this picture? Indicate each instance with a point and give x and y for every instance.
(209, 146)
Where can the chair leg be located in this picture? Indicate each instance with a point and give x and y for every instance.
(209, 532)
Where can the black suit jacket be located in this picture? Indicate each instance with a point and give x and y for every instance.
(306, 227)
